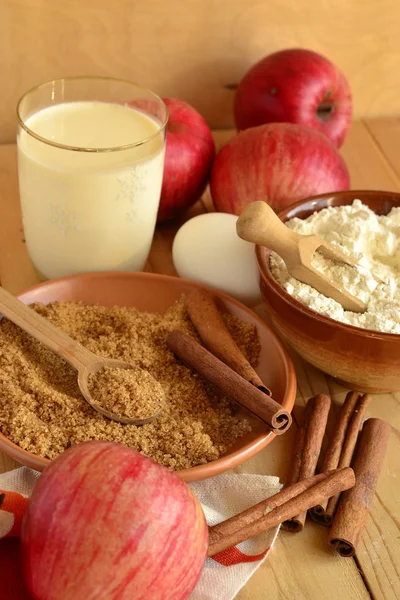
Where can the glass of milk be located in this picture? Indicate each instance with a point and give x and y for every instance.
(90, 167)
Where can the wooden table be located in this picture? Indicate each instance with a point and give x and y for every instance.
(301, 567)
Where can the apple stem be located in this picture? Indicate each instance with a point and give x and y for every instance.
(324, 111)
(2, 496)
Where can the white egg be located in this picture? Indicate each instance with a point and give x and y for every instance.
(208, 250)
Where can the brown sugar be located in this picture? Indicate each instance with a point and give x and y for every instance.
(132, 393)
(42, 410)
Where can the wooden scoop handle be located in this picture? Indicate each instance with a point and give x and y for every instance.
(259, 224)
(44, 331)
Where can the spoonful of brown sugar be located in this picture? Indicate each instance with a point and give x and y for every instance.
(116, 389)
(125, 392)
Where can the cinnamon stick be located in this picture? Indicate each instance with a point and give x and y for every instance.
(341, 449)
(297, 452)
(259, 510)
(307, 449)
(292, 500)
(354, 505)
(216, 337)
(229, 382)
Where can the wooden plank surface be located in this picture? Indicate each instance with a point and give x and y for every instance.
(195, 49)
(301, 567)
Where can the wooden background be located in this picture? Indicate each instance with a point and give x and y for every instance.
(195, 49)
(198, 50)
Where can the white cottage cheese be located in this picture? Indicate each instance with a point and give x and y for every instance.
(371, 240)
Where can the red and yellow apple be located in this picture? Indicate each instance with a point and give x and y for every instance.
(105, 522)
(278, 163)
(295, 86)
(190, 151)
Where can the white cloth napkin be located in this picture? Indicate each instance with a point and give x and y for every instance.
(221, 497)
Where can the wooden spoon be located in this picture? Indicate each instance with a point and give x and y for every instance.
(259, 224)
(74, 353)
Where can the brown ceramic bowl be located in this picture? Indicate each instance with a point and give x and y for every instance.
(155, 293)
(363, 360)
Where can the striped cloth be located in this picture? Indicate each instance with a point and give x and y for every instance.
(221, 497)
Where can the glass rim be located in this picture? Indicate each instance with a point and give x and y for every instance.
(82, 148)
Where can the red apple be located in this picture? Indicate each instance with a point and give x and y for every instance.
(106, 522)
(295, 86)
(189, 154)
(278, 163)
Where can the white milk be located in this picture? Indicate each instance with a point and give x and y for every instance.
(89, 211)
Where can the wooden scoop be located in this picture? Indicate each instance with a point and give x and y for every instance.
(259, 224)
(79, 357)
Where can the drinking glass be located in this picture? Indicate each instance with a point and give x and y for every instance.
(90, 166)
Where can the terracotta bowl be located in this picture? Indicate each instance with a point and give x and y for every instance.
(363, 360)
(155, 293)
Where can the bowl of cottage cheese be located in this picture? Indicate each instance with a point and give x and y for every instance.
(361, 350)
